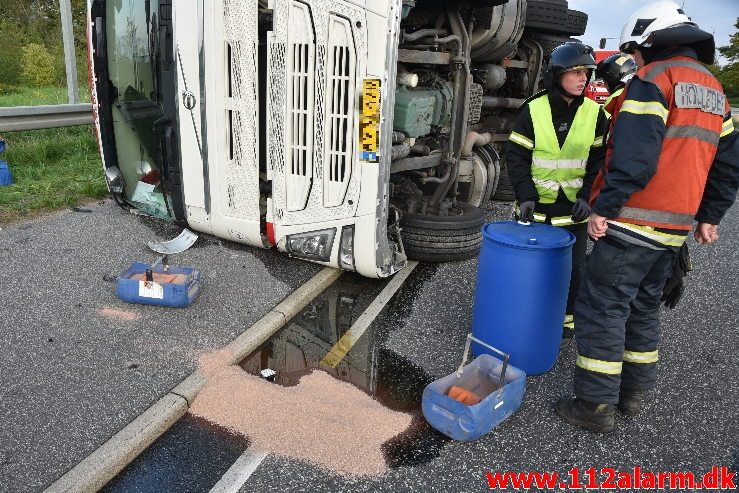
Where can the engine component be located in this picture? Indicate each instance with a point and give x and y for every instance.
(398, 138)
(492, 76)
(475, 110)
(496, 102)
(407, 79)
(400, 151)
(416, 111)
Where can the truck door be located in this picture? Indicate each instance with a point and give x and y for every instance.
(218, 84)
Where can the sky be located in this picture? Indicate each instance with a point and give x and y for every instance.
(606, 18)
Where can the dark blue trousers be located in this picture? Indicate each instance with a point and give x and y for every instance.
(617, 319)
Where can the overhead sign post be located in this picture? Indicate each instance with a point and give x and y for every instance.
(65, 7)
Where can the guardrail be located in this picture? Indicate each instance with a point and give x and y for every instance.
(17, 118)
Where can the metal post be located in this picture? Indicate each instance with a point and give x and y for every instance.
(65, 8)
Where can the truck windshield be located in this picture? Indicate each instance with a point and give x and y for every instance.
(132, 54)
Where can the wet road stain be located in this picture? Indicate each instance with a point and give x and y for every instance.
(387, 377)
(117, 314)
(191, 456)
(194, 453)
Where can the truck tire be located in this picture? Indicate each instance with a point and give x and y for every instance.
(576, 23)
(549, 42)
(546, 15)
(443, 238)
(504, 191)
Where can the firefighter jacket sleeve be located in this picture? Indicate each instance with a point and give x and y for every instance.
(637, 142)
(596, 158)
(723, 177)
(519, 150)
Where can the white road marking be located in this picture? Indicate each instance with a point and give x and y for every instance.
(239, 473)
(347, 341)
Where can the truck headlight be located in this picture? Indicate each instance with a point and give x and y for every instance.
(315, 245)
(346, 248)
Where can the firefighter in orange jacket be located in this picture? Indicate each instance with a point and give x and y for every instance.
(674, 158)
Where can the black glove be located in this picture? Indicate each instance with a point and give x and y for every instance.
(526, 211)
(675, 286)
(580, 211)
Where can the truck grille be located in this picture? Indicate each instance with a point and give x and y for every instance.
(301, 105)
(341, 65)
(334, 33)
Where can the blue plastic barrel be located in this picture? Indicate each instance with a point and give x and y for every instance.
(523, 277)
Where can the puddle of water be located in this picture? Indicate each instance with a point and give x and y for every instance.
(395, 382)
(194, 453)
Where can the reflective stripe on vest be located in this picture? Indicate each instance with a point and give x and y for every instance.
(693, 132)
(553, 167)
(727, 127)
(606, 106)
(657, 68)
(656, 216)
(650, 233)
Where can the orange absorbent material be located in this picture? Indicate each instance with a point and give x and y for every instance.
(464, 396)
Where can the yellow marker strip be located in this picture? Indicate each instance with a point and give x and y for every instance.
(369, 124)
(347, 341)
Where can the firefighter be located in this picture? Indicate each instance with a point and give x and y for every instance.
(554, 153)
(616, 71)
(675, 158)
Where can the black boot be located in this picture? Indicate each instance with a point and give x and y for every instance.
(592, 416)
(567, 338)
(630, 402)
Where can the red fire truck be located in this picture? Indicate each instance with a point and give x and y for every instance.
(597, 89)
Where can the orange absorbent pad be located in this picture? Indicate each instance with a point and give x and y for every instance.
(464, 396)
(162, 278)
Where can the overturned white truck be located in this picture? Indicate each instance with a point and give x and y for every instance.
(352, 133)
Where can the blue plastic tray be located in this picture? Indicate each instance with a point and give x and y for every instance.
(481, 376)
(161, 294)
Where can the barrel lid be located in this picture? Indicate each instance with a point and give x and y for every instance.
(531, 236)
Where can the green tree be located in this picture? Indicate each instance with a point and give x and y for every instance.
(39, 21)
(39, 66)
(729, 76)
(11, 41)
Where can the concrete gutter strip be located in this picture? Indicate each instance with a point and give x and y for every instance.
(102, 465)
(258, 334)
(99, 467)
(190, 387)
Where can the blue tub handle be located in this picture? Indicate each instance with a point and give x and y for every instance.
(470, 339)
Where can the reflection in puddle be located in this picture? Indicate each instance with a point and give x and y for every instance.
(389, 378)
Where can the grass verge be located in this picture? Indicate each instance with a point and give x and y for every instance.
(34, 96)
(53, 169)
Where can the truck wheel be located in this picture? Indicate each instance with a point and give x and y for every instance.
(493, 159)
(473, 190)
(505, 187)
(549, 42)
(576, 22)
(546, 15)
(443, 238)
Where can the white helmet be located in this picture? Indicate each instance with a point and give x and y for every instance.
(652, 17)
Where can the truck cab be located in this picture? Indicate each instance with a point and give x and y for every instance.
(351, 133)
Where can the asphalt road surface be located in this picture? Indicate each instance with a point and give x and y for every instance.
(71, 377)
